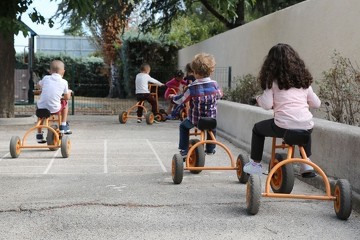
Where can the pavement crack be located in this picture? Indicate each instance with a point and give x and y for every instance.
(87, 204)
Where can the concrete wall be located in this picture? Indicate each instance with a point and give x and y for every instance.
(335, 146)
(315, 28)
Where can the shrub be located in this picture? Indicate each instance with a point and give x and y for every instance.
(85, 75)
(137, 49)
(340, 91)
(246, 88)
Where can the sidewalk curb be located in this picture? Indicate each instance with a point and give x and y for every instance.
(18, 121)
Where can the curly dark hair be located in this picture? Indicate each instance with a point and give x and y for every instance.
(283, 65)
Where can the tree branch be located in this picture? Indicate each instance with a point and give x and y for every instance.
(216, 14)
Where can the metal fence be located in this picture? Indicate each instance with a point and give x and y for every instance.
(21, 82)
(223, 76)
(113, 106)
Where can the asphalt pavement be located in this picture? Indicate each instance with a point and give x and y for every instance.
(117, 184)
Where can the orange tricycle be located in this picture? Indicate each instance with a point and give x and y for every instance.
(281, 178)
(54, 139)
(195, 159)
(147, 115)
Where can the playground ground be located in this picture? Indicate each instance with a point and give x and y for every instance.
(117, 184)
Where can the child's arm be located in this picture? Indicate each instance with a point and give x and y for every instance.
(181, 98)
(154, 81)
(67, 95)
(312, 99)
(266, 100)
(171, 83)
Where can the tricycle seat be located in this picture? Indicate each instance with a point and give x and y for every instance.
(206, 123)
(43, 113)
(297, 137)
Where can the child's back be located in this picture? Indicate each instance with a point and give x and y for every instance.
(291, 106)
(202, 94)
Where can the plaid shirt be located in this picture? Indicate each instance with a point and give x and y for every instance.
(203, 95)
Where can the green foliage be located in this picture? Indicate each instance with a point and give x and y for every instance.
(21, 61)
(161, 55)
(92, 15)
(261, 8)
(85, 75)
(230, 13)
(190, 28)
(246, 88)
(340, 91)
(10, 17)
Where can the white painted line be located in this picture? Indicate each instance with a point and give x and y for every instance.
(156, 155)
(4, 156)
(51, 162)
(105, 157)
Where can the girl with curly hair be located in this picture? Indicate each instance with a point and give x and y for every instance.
(287, 90)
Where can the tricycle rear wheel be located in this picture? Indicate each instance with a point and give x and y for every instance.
(283, 179)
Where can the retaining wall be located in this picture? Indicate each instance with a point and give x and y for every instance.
(315, 28)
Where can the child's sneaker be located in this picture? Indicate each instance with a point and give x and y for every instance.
(212, 152)
(253, 168)
(139, 120)
(183, 153)
(306, 170)
(65, 129)
(40, 138)
(155, 121)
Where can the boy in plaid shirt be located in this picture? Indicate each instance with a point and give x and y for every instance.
(203, 94)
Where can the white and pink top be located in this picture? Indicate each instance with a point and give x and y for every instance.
(291, 107)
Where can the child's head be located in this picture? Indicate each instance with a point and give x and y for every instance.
(188, 69)
(145, 68)
(179, 75)
(203, 65)
(57, 66)
(283, 65)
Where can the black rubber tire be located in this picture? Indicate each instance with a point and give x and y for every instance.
(177, 168)
(65, 146)
(163, 117)
(15, 144)
(253, 194)
(240, 163)
(283, 179)
(50, 138)
(123, 117)
(158, 117)
(149, 117)
(343, 202)
(197, 158)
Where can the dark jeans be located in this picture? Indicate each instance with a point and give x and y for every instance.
(268, 128)
(185, 127)
(150, 99)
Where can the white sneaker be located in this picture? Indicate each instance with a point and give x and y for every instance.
(139, 120)
(253, 168)
(306, 170)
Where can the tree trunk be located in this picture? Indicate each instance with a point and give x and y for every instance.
(114, 84)
(7, 70)
(240, 10)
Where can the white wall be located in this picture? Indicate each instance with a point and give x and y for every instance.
(315, 28)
